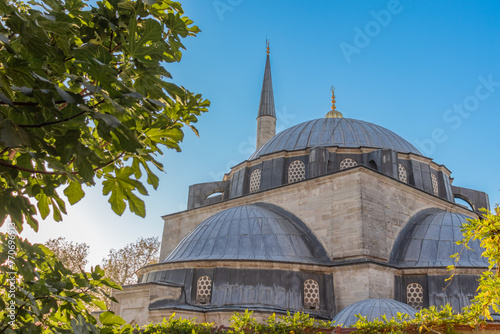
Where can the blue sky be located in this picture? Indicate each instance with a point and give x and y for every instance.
(427, 70)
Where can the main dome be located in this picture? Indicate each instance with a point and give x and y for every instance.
(340, 132)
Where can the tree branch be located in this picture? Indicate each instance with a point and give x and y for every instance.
(33, 171)
(59, 121)
(51, 123)
(44, 172)
(30, 104)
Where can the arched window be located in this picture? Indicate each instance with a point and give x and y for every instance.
(296, 171)
(402, 173)
(255, 181)
(347, 163)
(415, 296)
(435, 187)
(204, 290)
(311, 294)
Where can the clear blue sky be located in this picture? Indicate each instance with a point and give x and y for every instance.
(427, 70)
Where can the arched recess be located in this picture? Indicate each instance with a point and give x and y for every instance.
(214, 197)
(466, 200)
(372, 164)
(206, 193)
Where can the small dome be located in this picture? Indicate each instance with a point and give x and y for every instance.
(340, 132)
(251, 232)
(429, 238)
(372, 309)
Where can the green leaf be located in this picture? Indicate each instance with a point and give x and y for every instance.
(137, 205)
(11, 135)
(43, 205)
(110, 120)
(74, 192)
(64, 95)
(109, 318)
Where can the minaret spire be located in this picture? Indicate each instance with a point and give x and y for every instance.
(266, 105)
(266, 119)
(334, 113)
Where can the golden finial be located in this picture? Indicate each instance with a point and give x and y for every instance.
(333, 98)
(333, 113)
(267, 49)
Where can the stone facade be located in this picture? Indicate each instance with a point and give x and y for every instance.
(340, 208)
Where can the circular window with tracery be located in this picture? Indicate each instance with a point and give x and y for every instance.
(296, 171)
(402, 173)
(415, 296)
(347, 163)
(311, 294)
(255, 180)
(435, 187)
(204, 290)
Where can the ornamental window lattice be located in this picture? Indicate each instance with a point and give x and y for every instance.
(435, 187)
(255, 180)
(347, 163)
(296, 171)
(402, 173)
(311, 294)
(415, 296)
(204, 290)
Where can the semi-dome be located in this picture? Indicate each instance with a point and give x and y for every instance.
(340, 132)
(251, 232)
(372, 309)
(429, 238)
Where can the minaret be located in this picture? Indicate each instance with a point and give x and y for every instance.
(334, 113)
(266, 120)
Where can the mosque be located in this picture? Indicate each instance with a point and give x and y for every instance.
(327, 214)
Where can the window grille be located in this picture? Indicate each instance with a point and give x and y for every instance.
(347, 163)
(415, 296)
(402, 173)
(296, 171)
(311, 294)
(204, 290)
(255, 180)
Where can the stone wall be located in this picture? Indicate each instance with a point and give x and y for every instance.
(354, 283)
(134, 300)
(355, 213)
(386, 206)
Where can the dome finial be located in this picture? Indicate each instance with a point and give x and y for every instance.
(267, 49)
(334, 113)
(332, 89)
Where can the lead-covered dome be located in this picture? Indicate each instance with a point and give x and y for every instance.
(372, 309)
(429, 238)
(251, 232)
(340, 132)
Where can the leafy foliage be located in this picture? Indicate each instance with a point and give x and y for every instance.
(430, 320)
(72, 255)
(40, 295)
(487, 231)
(296, 323)
(122, 265)
(179, 326)
(83, 95)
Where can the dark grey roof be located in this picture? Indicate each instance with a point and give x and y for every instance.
(266, 105)
(429, 238)
(372, 309)
(341, 132)
(251, 232)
